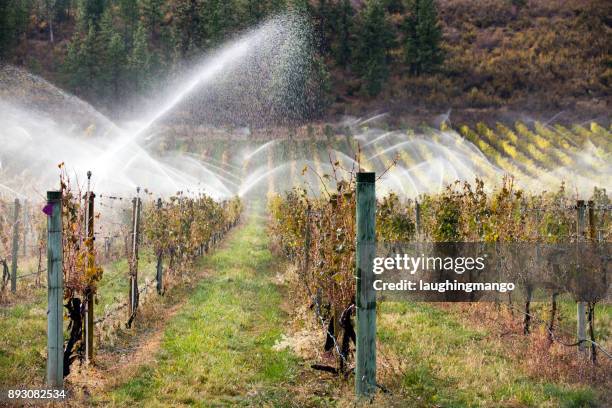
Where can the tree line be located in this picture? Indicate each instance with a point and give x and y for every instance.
(115, 47)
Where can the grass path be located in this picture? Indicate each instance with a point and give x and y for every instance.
(217, 351)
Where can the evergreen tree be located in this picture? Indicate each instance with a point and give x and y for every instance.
(189, 29)
(423, 34)
(13, 23)
(62, 10)
(394, 6)
(254, 11)
(374, 40)
(112, 58)
(116, 52)
(325, 25)
(277, 6)
(139, 61)
(129, 15)
(219, 20)
(91, 10)
(81, 64)
(151, 11)
(344, 27)
(302, 6)
(88, 56)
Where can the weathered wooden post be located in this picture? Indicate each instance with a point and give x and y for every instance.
(26, 228)
(55, 279)
(89, 301)
(581, 306)
(307, 240)
(365, 298)
(593, 238)
(592, 227)
(15, 249)
(133, 303)
(160, 266)
(417, 218)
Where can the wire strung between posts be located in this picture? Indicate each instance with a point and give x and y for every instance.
(555, 339)
(118, 307)
(113, 197)
(32, 274)
(597, 207)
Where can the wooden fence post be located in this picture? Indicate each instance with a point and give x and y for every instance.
(580, 306)
(89, 302)
(15, 248)
(417, 218)
(55, 279)
(307, 240)
(160, 266)
(26, 227)
(133, 303)
(593, 238)
(365, 298)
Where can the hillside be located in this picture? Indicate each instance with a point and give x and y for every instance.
(501, 58)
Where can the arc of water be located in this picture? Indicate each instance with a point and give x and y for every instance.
(379, 138)
(202, 167)
(372, 119)
(260, 149)
(218, 163)
(252, 181)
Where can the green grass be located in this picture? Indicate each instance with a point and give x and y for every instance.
(450, 365)
(218, 350)
(23, 325)
(23, 340)
(115, 283)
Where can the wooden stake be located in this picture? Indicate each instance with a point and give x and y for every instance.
(581, 306)
(89, 303)
(15, 249)
(417, 218)
(365, 298)
(55, 279)
(26, 228)
(593, 238)
(133, 304)
(160, 266)
(307, 239)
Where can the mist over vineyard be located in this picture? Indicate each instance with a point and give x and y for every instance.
(180, 211)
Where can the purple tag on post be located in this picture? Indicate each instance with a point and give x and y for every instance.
(48, 209)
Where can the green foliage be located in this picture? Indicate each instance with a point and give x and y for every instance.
(182, 225)
(341, 48)
(152, 14)
(220, 20)
(325, 24)
(112, 58)
(188, 28)
(62, 10)
(374, 40)
(394, 224)
(81, 64)
(13, 23)
(422, 52)
(128, 10)
(494, 53)
(139, 61)
(92, 10)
